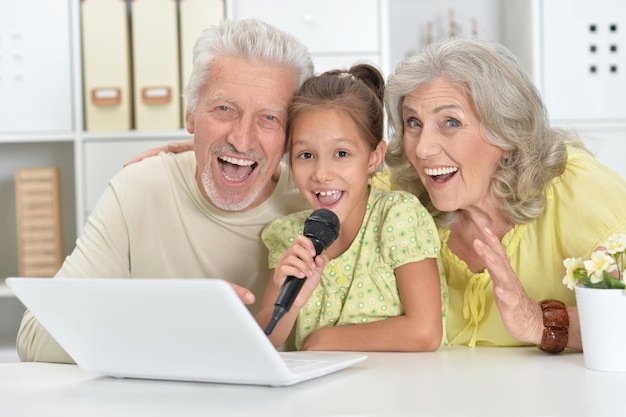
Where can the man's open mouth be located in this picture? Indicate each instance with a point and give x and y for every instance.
(235, 169)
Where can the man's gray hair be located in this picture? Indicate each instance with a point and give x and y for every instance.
(250, 39)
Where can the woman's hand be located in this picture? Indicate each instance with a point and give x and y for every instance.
(173, 147)
(521, 315)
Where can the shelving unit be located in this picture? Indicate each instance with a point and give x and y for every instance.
(86, 160)
(29, 140)
(43, 126)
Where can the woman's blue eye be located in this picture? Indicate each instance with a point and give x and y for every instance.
(453, 123)
(412, 122)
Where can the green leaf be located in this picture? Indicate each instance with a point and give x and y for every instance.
(586, 282)
(612, 282)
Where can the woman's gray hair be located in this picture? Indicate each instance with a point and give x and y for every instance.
(511, 113)
(252, 40)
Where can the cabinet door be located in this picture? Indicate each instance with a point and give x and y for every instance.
(607, 143)
(336, 32)
(35, 66)
(583, 61)
(102, 159)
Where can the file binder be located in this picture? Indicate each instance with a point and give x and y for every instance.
(195, 16)
(156, 75)
(106, 65)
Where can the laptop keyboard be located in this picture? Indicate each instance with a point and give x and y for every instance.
(300, 364)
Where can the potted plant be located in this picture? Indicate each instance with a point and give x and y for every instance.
(599, 283)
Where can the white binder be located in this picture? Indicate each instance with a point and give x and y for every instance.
(106, 65)
(156, 76)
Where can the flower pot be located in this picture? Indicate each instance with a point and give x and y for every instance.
(602, 314)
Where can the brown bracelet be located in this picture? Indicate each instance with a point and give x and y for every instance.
(556, 322)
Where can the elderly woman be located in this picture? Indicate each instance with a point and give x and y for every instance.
(512, 196)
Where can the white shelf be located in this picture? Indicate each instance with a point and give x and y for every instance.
(20, 138)
(8, 355)
(5, 291)
(178, 134)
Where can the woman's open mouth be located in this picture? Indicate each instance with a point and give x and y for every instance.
(441, 175)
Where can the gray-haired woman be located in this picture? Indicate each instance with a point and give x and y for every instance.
(512, 196)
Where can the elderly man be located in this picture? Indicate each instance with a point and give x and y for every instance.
(200, 214)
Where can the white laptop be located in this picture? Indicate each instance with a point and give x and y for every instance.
(174, 329)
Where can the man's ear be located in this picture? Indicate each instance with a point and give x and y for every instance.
(377, 157)
(190, 122)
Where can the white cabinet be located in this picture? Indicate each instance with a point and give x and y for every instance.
(41, 118)
(37, 112)
(584, 66)
(35, 67)
(573, 50)
(338, 33)
(103, 158)
(41, 124)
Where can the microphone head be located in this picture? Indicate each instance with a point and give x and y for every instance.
(322, 227)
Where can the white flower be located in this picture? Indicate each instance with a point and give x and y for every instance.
(616, 244)
(605, 269)
(571, 265)
(600, 261)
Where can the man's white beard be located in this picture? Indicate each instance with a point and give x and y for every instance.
(220, 198)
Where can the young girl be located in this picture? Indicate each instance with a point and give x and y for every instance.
(378, 286)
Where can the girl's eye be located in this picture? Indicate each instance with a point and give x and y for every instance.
(342, 154)
(305, 155)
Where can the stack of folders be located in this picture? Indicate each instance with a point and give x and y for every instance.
(137, 57)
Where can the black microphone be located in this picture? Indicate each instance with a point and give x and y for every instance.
(322, 227)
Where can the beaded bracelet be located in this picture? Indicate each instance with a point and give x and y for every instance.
(556, 323)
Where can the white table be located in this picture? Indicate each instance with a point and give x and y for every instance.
(459, 381)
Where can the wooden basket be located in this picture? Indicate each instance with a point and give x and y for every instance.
(38, 221)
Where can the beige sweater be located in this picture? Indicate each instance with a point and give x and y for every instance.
(153, 222)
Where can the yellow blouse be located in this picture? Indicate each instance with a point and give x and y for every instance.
(585, 205)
